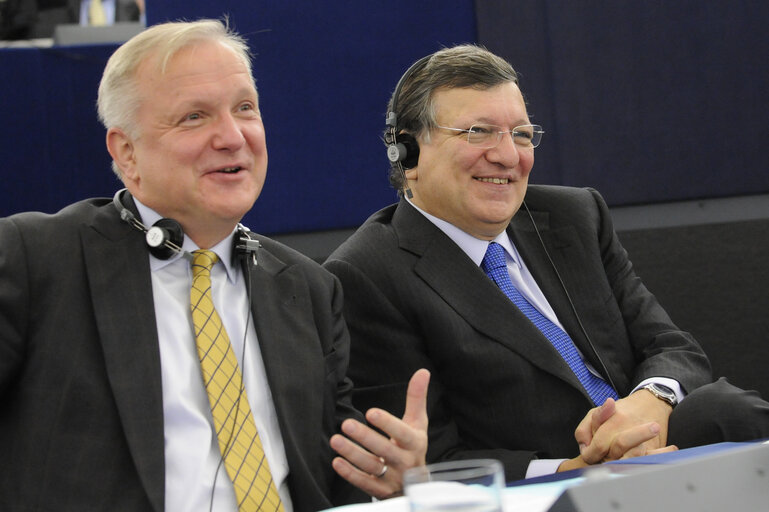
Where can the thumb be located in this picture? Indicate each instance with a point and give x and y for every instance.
(415, 414)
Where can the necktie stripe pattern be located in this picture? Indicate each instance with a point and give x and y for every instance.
(238, 438)
(494, 265)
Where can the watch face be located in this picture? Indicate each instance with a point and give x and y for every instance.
(663, 393)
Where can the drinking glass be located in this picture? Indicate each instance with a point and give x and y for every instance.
(458, 486)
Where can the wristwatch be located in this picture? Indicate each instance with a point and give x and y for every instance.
(664, 393)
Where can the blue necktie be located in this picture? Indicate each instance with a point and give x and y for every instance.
(494, 265)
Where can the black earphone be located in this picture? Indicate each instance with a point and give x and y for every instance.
(606, 373)
(166, 236)
(402, 149)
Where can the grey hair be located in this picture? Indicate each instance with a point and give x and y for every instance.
(119, 96)
(461, 66)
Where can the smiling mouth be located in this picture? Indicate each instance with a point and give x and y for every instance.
(497, 181)
(230, 170)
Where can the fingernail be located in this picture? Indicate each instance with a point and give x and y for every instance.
(654, 428)
(582, 448)
(349, 426)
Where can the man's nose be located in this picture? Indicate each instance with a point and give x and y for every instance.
(228, 133)
(506, 152)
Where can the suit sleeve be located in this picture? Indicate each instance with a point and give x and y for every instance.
(14, 302)
(658, 347)
(387, 348)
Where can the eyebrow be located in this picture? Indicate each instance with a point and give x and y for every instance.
(486, 120)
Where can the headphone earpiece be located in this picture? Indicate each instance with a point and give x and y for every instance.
(408, 150)
(162, 235)
(402, 148)
(163, 239)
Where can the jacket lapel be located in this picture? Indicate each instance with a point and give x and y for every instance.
(554, 257)
(458, 281)
(282, 312)
(121, 288)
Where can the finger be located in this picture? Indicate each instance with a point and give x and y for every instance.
(595, 452)
(583, 433)
(593, 421)
(415, 414)
(402, 435)
(357, 454)
(630, 442)
(378, 487)
(603, 414)
(664, 449)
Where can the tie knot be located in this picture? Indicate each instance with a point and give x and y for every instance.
(494, 257)
(202, 259)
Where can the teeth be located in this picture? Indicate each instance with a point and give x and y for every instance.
(230, 169)
(498, 181)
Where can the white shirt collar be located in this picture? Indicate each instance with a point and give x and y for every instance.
(475, 248)
(223, 249)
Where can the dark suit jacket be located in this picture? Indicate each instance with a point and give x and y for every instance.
(499, 389)
(81, 413)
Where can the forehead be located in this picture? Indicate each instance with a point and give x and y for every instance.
(202, 62)
(496, 104)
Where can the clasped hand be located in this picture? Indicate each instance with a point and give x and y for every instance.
(374, 462)
(630, 427)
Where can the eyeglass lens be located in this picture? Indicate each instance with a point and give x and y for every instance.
(489, 136)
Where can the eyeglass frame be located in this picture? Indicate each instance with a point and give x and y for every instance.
(537, 132)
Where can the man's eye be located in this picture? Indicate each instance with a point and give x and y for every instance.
(192, 117)
(482, 130)
(523, 134)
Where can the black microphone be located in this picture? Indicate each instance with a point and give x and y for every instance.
(245, 245)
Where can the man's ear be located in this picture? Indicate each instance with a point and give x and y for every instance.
(412, 174)
(121, 149)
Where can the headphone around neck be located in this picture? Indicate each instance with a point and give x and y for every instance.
(166, 236)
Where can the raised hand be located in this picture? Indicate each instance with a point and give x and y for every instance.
(375, 463)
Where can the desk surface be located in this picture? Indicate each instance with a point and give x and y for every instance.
(722, 462)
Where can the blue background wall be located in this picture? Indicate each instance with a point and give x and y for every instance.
(647, 101)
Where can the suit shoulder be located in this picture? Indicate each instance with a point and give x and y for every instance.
(68, 218)
(568, 200)
(373, 236)
(283, 252)
(571, 195)
(283, 255)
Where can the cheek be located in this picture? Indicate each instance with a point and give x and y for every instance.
(255, 137)
(527, 162)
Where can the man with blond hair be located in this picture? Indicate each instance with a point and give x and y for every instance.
(197, 366)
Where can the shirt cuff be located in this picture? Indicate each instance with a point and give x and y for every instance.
(542, 467)
(664, 381)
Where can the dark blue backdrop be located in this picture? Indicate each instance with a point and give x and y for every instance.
(324, 71)
(647, 101)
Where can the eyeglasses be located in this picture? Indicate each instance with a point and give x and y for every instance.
(488, 135)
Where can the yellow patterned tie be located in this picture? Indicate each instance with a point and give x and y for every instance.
(96, 14)
(238, 439)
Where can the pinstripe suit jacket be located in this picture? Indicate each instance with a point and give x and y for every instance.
(81, 413)
(499, 389)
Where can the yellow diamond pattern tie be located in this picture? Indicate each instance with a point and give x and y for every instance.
(238, 439)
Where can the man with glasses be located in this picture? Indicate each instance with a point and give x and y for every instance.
(528, 314)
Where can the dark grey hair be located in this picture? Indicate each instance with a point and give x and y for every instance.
(462, 66)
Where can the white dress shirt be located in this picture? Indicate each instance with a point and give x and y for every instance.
(195, 480)
(522, 279)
